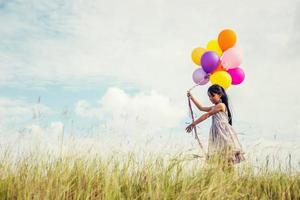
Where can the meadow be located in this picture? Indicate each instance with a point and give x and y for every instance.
(41, 175)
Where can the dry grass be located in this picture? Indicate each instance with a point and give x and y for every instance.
(43, 176)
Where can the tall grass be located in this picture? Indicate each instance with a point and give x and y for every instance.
(123, 176)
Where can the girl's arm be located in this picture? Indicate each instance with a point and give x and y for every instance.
(199, 105)
(219, 107)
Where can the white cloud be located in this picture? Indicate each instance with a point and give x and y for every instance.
(140, 113)
(18, 108)
(15, 112)
(84, 109)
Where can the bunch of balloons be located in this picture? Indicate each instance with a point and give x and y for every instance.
(220, 62)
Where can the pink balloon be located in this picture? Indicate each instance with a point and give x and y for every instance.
(237, 75)
(200, 76)
(232, 58)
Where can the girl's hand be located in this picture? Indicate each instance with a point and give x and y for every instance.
(190, 127)
(189, 94)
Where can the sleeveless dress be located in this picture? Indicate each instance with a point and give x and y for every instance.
(223, 139)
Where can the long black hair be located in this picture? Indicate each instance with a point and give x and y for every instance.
(217, 89)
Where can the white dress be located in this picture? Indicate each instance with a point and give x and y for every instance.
(223, 139)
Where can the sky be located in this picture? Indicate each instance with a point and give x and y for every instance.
(120, 68)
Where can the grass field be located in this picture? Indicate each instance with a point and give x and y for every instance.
(39, 175)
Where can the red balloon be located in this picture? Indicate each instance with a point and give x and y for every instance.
(219, 68)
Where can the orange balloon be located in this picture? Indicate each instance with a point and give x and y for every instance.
(226, 39)
(219, 68)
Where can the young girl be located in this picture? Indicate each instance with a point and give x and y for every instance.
(223, 139)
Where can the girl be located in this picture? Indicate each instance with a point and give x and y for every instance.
(223, 140)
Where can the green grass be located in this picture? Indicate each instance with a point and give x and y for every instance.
(123, 176)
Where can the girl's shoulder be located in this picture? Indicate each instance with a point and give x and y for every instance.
(223, 105)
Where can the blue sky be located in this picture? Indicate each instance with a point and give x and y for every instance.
(104, 60)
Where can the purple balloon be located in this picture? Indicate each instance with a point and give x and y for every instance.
(200, 76)
(237, 75)
(209, 61)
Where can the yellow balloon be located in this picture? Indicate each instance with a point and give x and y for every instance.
(221, 78)
(213, 45)
(197, 54)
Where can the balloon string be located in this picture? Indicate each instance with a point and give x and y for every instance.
(193, 119)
